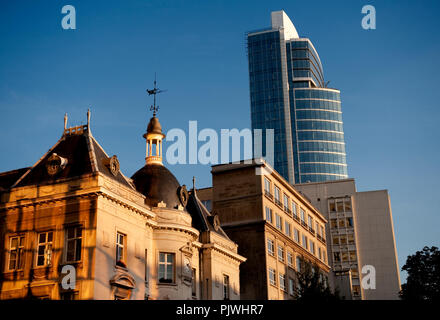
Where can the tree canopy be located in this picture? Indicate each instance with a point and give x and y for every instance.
(423, 281)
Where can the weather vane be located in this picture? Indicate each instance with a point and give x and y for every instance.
(154, 91)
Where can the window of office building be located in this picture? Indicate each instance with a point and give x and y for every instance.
(352, 256)
(282, 282)
(343, 240)
(225, 287)
(269, 215)
(339, 205)
(193, 283)
(344, 256)
(287, 229)
(341, 223)
(303, 215)
(272, 277)
(166, 267)
(44, 249)
(312, 246)
(290, 259)
(335, 240)
(286, 203)
(296, 234)
(270, 247)
(333, 223)
(73, 243)
(291, 286)
(16, 253)
(304, 242)
(277, 195)
(347, 204)
(336, 256)
(332, 205)
(280, 253)
(349, 222)
(350, 238)
(267, 186)
(279, 222)
(294, 209)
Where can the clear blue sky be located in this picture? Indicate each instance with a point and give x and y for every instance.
(388, 79)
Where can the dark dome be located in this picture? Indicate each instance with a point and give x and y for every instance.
(158, 184)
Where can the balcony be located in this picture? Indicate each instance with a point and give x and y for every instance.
(278, 202)
(288, 211)
(304, 224)
(311, 230)
(296, 218)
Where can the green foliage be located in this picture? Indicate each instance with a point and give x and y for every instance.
(423, 282)
(312, 285)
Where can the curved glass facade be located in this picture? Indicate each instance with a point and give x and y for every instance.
(287, 84)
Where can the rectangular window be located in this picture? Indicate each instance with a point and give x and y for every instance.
(319, 253)
(337, 256)
(193, 283)
(281, 253)
(347, 204)
(322, 233)
(16, 252)
(277, 196)
(294, 211)
(343, 239)
(287, 229)
(279, 222)
(166, 267)
(335, 240)
(349, 222)
(304, 241)
(350, 238)
(44, 249)
(298, 264)
(146, 278)
(339, 205)
(312, 246)
(267, 186)
(272, 277)
(296, 232)
(269, 215)
(73, 244)
(310, 222)
(121, 240)
(270, 247)
(332, 206)
(286, 203)
(333, 223)
(303, 216)
(290, 259)
(225, 287)
(291, 286)
(282, 282)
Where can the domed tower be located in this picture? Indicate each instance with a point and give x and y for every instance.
(154, 180)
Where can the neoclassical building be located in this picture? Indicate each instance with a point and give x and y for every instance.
(72, 226)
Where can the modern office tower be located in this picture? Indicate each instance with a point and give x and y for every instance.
(360, 236)
(288, 93)
(276, 228)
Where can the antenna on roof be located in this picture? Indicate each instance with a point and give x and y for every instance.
(154, 91)
(88, 117)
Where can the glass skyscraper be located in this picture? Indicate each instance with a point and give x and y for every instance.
(288, 94)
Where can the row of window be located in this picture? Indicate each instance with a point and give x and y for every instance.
(344, 239)
(44, 248)
(321, 135)
(284, 256)
(322, 157)
(319, 125)
(341, 223)
(317, 94)
(282, 281)
(345, 256)
(320, 177)
(334, 168)
(318, 104)
(319, 114)
(321, 146)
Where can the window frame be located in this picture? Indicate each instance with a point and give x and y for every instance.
(48, 253)
(20, 256)
(75, 241)
(166, 263)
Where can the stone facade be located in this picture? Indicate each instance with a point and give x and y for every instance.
(75, 208)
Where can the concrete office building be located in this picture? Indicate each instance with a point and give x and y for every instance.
(276, 228)
(288, 93)
(360, 233)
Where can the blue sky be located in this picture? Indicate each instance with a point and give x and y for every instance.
(387, 77)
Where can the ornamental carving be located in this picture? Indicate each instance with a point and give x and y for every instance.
(183, 195)
(55, 164)
(112, 164)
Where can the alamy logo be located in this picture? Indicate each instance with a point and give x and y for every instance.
(69, 20)
(69, 280)
(369, 279)
(369, 20)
